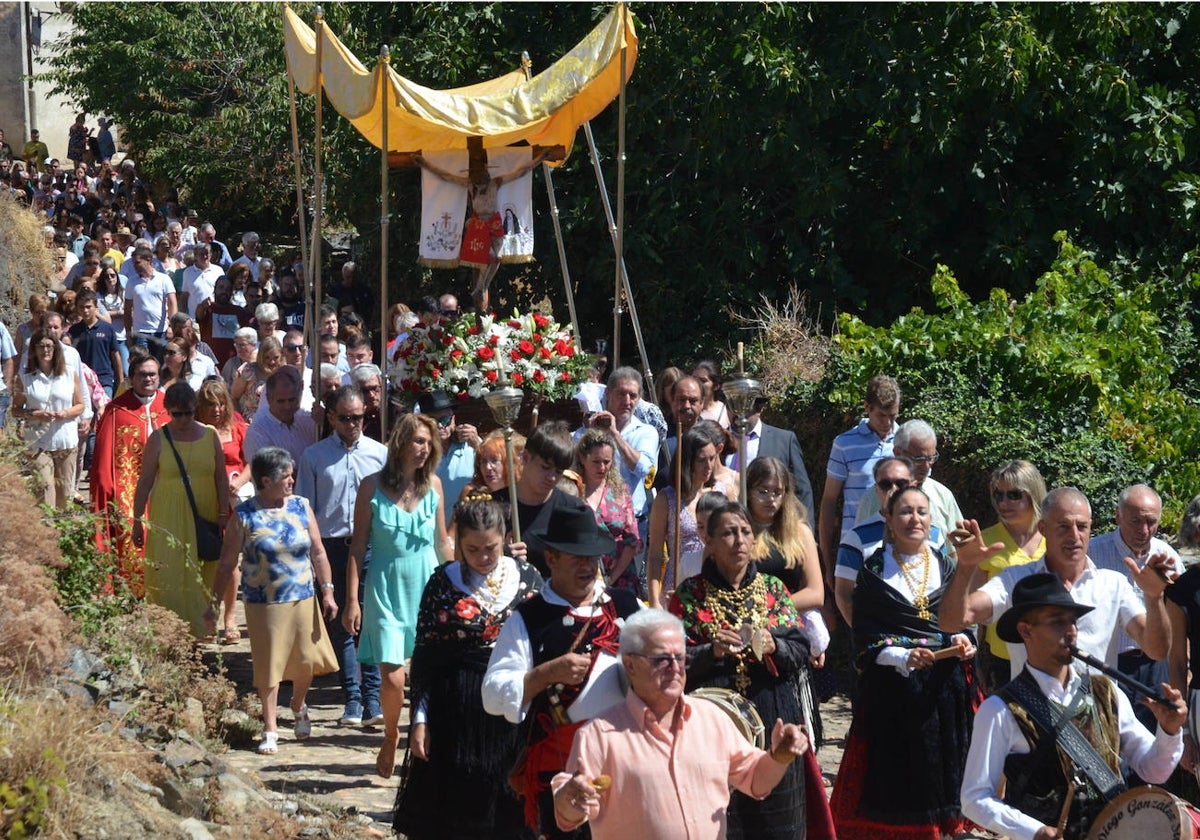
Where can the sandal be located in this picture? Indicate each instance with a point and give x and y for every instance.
(231, 636)
(269, 745)
(302, 728)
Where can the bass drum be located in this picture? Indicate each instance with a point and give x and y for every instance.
(740, 710)
(1146, 813)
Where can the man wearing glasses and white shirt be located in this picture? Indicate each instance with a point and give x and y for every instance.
(917, 442)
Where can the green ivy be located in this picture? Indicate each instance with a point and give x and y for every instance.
(1078, 376)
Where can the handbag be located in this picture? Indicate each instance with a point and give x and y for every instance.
(208, 533)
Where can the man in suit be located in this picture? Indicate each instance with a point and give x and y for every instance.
(764, 441)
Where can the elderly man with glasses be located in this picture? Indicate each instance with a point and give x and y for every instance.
(660, 764)
(917, 442)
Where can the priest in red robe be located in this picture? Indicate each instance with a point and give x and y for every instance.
(117, 462)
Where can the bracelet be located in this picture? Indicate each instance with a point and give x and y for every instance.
(327, 585)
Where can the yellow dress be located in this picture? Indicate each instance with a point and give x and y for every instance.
(175, 579)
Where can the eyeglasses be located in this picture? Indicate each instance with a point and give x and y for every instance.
(293, 348)
(999, 496)
(445, 420)
(924, 459)
(182, 413)
(764, 494)
(350, 418)
(664, 661)
(893, 483)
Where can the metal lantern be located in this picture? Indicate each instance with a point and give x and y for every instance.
(505, 403)
(740, 396)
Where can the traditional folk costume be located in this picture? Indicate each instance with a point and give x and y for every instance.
(907, 745)
(549, 727)
(116, 465)
(462, 792)
(706, 603)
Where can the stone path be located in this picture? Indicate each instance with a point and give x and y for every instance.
(337, 764)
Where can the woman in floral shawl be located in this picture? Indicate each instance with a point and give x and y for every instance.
(459, 756)
(907, 746)
(744, 634)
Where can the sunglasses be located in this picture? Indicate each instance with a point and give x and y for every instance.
(350, 418)
(894, 483)
(182, 413)
(665, 661)
(445, 420)
(1012, 495)
(293, 348)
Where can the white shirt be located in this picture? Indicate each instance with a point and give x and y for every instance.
(996, 736)
(1109, 592)
(198, 285)
(1108, 551)
(149, 297)
(253, 263)
(269, 430)
(753, 438)
(512, 659)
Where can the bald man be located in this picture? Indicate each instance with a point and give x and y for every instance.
(1066, 524)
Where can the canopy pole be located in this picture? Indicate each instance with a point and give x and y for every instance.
(310, 308)
(314, 264)
(647, 373)
(618, 309)
(385, 57)
(547, 172)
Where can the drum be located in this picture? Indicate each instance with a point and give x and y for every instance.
(740, 710)
(1146, 813)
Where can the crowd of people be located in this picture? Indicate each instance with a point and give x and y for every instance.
(649, 657)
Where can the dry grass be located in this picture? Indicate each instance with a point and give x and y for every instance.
(171, 664)
(790, 344)
(33, 630)
(26, 263)
(55, 753)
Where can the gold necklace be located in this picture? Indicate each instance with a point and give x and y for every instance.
(920, 596)
(734, 608)
(493, 584)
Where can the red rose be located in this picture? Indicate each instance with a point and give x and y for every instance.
(494, 341)
(486, 353)
(473, 329)
(516, 325)
(466, 608)
(463, 396)
(514, 354)
(538, 376)
(545, 354)
(456, 354)
(517, 379)
(540, 320)
(566, 377)
(537, 338)
(435, 373)
(526, 347)
(491, 376)
(447, 340)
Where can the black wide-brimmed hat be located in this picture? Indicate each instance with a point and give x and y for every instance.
(1040, 590)
(574, 530)
(432, 402)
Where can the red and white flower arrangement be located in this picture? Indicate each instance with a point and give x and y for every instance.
(466, 358)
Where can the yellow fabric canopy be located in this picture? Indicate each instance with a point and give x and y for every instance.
(546, 110)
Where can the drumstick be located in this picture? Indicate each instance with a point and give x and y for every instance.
(1066, 809)
(947, 653)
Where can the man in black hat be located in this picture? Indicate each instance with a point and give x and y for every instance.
(1012, 736)
(554, 664)
(459, 442)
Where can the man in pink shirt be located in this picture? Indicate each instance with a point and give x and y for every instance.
(661, 764)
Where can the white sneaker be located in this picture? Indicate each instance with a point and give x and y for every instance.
(303, 726)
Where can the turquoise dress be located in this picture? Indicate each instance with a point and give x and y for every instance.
(402, 561)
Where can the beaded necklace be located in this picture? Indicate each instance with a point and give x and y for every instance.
(733, 608)
(487, 594)
(920, 594)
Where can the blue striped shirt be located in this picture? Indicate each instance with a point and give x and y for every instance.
(851, 460)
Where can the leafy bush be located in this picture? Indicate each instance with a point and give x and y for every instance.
(1077, 377)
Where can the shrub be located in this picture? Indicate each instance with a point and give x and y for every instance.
(1079, 377)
